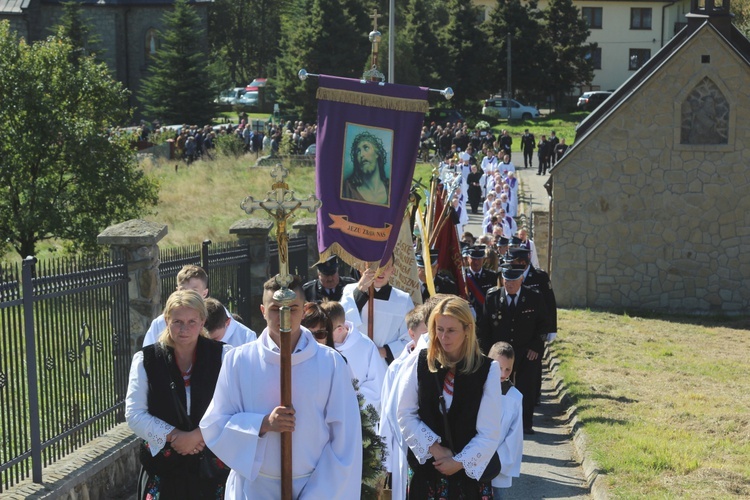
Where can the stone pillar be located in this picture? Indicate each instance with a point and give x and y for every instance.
(308, 228)
(254, 232)
(137, 240)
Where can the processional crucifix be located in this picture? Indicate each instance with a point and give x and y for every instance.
(281, 203)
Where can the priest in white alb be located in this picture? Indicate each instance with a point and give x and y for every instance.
(242, 425)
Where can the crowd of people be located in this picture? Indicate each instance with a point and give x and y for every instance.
(454, 380)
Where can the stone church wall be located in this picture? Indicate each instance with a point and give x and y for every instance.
(643, 219)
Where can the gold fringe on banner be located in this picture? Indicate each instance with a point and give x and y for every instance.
(373, 101)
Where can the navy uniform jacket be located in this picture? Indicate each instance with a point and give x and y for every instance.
(314, 291)
(486, 280)
(539, 280)
(524, 330)
(443, 284)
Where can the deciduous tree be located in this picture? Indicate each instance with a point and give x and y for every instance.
(61, 174)
(530, 57)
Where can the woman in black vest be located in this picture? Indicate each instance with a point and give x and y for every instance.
(450, 452)
(171, 384)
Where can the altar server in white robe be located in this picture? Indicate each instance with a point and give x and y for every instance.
(361, 354)
(242, 425)
(510, 450)
(192, 277)
(390, 333)
(395, 462)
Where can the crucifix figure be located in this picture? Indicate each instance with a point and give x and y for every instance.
(281, 203)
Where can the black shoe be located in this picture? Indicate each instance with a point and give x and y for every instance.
(528, 431)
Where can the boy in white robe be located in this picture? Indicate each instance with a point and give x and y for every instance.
(192, 277)
(361, 354)
(391, 305)
(510, 450)
(242, 425)
(396, 463)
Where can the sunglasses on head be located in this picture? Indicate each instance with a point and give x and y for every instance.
(320, 334)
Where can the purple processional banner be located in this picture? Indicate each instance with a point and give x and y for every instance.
(367, 141)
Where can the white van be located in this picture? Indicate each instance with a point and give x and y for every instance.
(498, 107)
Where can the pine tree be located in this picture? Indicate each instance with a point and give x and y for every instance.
(321, 36)
(178, 88)
(373, 449)
(463, 41)
(422, 50)
(76, 28)
(529, 55)
(566, 33)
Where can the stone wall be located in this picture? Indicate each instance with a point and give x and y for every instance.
(645, 219)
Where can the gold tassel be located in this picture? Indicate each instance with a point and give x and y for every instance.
(373, 101)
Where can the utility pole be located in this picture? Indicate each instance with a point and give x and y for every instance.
(508, 88)
(391, 39)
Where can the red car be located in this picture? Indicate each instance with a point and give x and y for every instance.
(256, 84)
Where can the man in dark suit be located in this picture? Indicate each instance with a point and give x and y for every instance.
(528, 143)
(517, 314)
(478, 279)
(443, 284)
(329, 284)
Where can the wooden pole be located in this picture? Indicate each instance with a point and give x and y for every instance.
(286, 400)
(370, 311)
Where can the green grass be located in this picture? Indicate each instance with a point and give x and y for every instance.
(665, 401)
(564, 126)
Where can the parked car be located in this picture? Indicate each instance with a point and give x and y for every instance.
(497, 107)
(589, 101)
(249, 100)
(231, 96)
(441, 116)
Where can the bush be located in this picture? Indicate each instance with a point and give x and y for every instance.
(230, 145)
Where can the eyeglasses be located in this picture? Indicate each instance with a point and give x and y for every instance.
(320, 334)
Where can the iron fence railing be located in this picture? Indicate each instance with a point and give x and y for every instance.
(64, 360)
(228, 265)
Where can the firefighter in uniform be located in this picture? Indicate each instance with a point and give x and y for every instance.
(518, 315)
(329, 284)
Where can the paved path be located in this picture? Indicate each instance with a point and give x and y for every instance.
(550, 468)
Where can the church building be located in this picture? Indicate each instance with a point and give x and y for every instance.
(128, 29)
(651, 205)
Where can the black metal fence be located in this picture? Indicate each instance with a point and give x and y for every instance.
(228, 265)
(64, 360)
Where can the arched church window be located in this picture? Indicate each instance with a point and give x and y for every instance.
(705, 115)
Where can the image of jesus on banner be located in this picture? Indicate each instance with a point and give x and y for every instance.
(367, 169)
